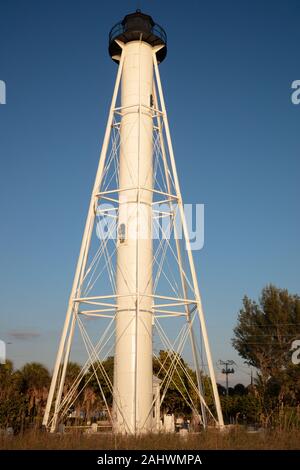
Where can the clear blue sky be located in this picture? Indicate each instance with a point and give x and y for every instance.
(227, 80)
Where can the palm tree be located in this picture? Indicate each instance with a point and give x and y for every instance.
(6, 379)
(33, 382)
(72, 373)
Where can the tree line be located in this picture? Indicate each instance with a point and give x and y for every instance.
(263, 337)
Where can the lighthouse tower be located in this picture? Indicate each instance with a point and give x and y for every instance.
(124, 276)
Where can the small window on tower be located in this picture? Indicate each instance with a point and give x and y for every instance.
(122, 233)
(151, 101)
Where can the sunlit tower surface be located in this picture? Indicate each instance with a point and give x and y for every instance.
(135, 272)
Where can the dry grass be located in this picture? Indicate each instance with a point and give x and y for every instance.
(236, 438)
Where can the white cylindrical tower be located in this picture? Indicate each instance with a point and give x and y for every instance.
(133, 382)
(133, 351)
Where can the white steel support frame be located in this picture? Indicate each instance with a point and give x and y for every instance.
(142, 301)
(182, 279)
(81, 262)
(189, 251)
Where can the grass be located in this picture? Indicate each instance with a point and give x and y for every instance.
(236, 438)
